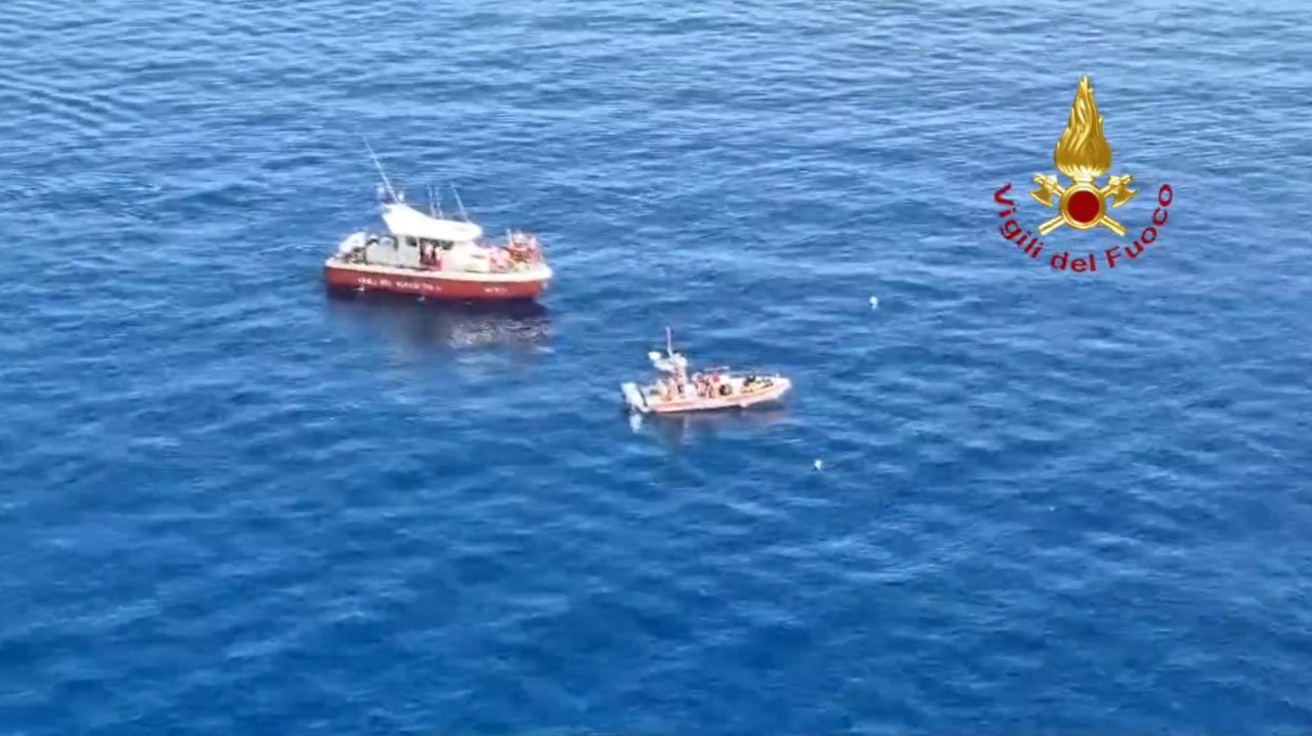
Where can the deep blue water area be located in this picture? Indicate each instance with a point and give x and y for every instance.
(1050, 502)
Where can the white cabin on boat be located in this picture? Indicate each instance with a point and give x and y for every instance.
(404, 220)
(419, 240)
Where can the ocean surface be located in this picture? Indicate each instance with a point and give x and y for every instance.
(1050, 502)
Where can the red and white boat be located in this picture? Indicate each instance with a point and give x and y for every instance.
(433, 257)
(711, 389)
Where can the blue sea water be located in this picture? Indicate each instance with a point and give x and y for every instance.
(1050, 502)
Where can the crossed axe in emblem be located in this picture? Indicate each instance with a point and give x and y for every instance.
(1117, 187)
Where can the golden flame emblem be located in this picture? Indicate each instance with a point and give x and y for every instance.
(1083, 155)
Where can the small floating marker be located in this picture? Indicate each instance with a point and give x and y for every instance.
(818, 465)
(874, 302)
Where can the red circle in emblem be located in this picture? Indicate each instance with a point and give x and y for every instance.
(1083, 207)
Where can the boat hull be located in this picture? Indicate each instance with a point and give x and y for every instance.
(436, 285)
(635, 400)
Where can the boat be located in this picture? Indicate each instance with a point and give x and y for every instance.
(430, 256)
(707, 390)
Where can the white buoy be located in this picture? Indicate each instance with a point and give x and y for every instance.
(874, 302)
(818, 465)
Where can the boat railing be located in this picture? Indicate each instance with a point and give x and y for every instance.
(523, 247)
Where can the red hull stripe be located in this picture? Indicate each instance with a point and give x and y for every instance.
(432, 286)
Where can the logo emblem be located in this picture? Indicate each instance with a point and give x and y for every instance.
(1083, 155)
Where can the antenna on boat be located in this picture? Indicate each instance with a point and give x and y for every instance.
(434, 206)
(459, 203)
(390, 191)
(669, 342)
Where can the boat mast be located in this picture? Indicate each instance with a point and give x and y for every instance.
(669, 342)
(386, 183)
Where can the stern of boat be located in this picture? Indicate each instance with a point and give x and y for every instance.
(633, 398)
(352, 242)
